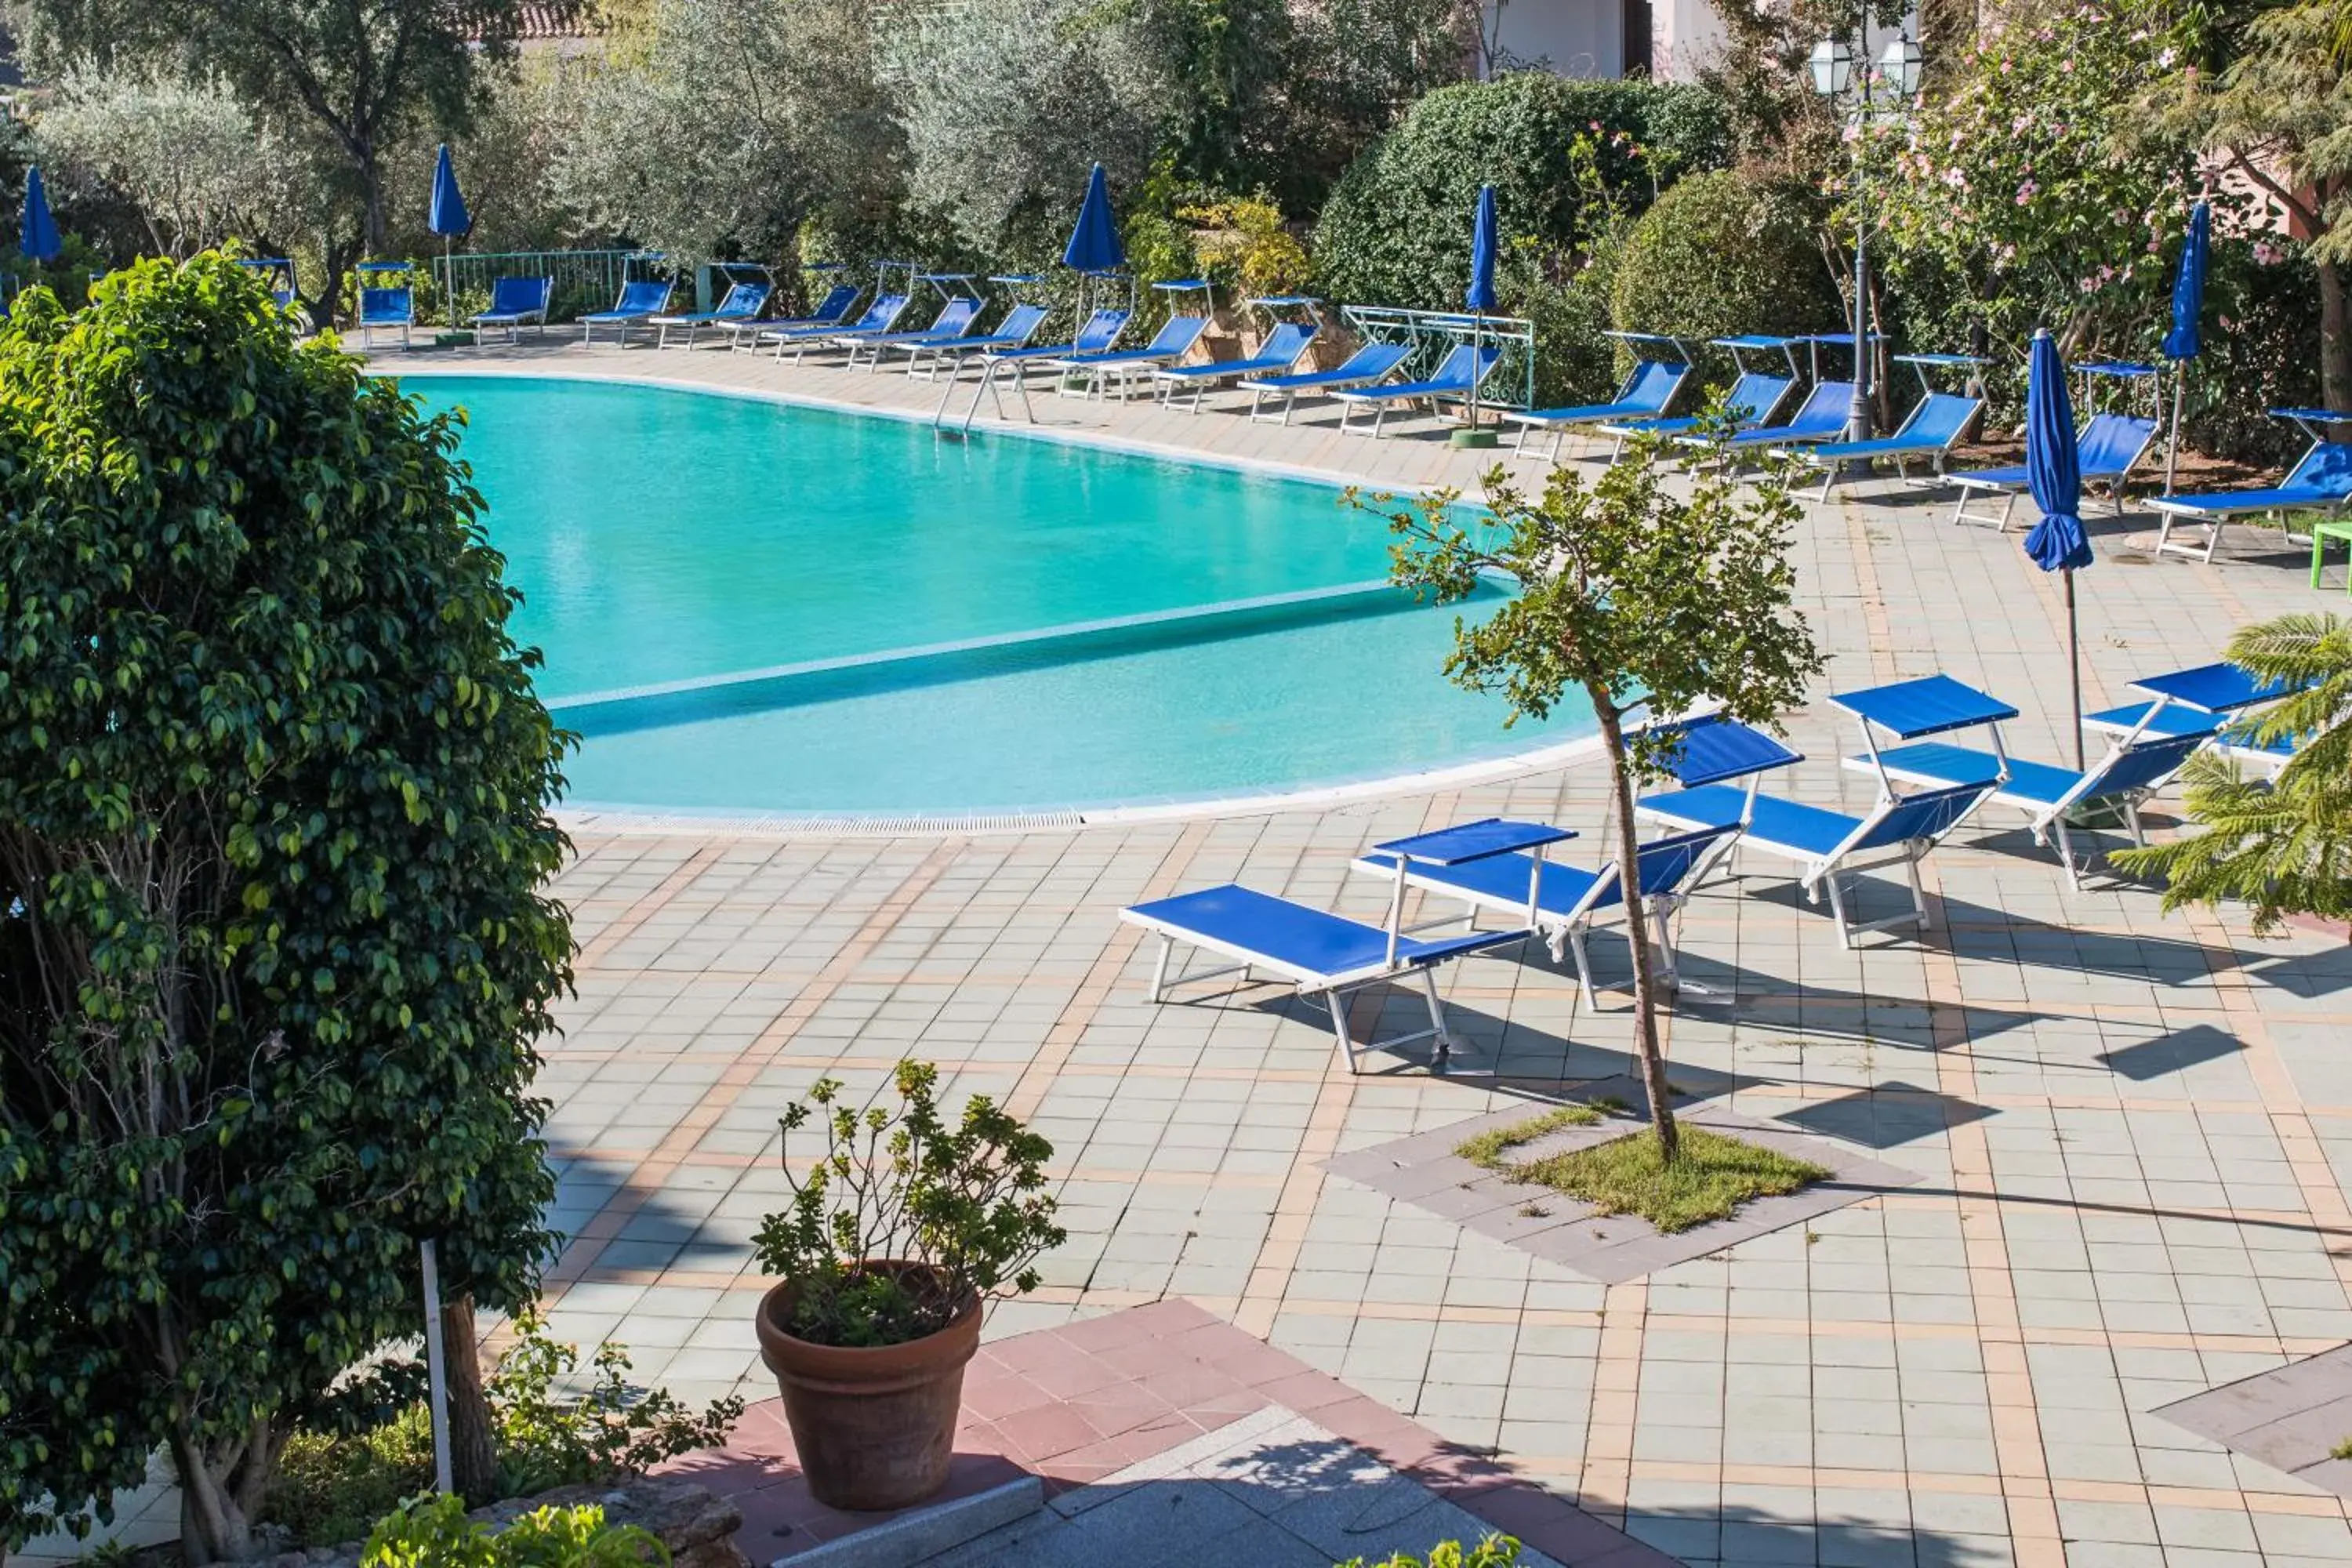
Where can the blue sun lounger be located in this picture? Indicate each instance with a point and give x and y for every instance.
(2106, 450)
(1283, 348)
(1461, 369)
(1563, 903)
(1821, 418)
(1020, 324)
(385, 308)
(2139, 763)
(954, 321)
(743, 302)
(881, 314)
(1754, 398)
(1099, 332)
(514, 302)
(1933, 427)
(1660, 365)
(1898, 829)
(641, 300)
(833, 311)
(1092, 373)
(1825, 844)
(1367, 366)
(2320, 481)
(1327, 956)
(2211, 699)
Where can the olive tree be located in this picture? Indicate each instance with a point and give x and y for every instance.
(274, 952)
(1635, 596)
(189, 157)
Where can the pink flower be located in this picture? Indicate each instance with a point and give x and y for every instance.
(2090, 285)
(1955, 179)
(2067, 66)
(2027, 191)
(2267, 255)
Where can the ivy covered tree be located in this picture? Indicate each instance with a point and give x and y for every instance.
(2282, 845)
(1635, 598)
(274, 794)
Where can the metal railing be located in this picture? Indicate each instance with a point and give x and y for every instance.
(1433, 335)
(583, 279)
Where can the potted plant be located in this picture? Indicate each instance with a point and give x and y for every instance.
(894, 1238)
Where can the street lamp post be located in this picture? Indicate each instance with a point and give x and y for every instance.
(1831, 65)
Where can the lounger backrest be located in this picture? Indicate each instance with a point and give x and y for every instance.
(1754, 396)
(836, 302)
(2112, 443)
(1825, 408)
(746, 300)
(1374, 360)
(1101, 331)
(520, 296)
(1178, 335)
(1666, 863)
(1021, 323)
(1284, 344)
(955, 317)
(1928, 816)
(1652, 386)
(882, 312)
(2325, 469)
(386, 305)
(1939, 417)
(1455, 370)
(644, 297)
(2137, 767)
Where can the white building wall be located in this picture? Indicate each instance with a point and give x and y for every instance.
(1571, 38)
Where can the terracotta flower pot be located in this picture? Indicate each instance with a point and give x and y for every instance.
(875, 1428)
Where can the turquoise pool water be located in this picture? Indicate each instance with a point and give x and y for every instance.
(839, 613)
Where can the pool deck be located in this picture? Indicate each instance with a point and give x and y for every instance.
(2127, 1135)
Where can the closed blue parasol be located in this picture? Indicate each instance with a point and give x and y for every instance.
(37, 234)
(1480, 298)
(2187, 339)
(449, 219)
(2054, 474)
(1094, 244)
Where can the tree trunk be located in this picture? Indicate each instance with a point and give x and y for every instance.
(1637, 931)
(213, 1527)
(374, 228)
(2335, 340)
(473, 1457)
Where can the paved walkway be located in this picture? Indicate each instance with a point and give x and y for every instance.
(2131, 1132)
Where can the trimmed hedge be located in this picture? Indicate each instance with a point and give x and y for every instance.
(1397, 229)
(1722, 253)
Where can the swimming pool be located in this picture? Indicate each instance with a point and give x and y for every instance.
(750, 606)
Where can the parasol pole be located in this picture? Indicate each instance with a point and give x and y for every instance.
(2075, 668)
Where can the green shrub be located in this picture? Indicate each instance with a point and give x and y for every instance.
(1493, 1551)
(1397, 229)
(1723, 253)
(435, 1533)
(332, 1485)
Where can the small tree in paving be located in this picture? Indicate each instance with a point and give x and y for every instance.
(273, 953)
(2283, 845)
(1634, 597)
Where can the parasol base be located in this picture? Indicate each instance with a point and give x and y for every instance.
(1482, 438)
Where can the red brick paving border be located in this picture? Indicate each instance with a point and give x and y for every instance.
(1075, 1403)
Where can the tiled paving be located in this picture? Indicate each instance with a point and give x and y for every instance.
(1158, 1431)
(2131, 1132)
(2295, 1418)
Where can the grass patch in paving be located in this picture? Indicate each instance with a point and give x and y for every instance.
(1716, 1174)
(1486, 1150)
(2342, 1450)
